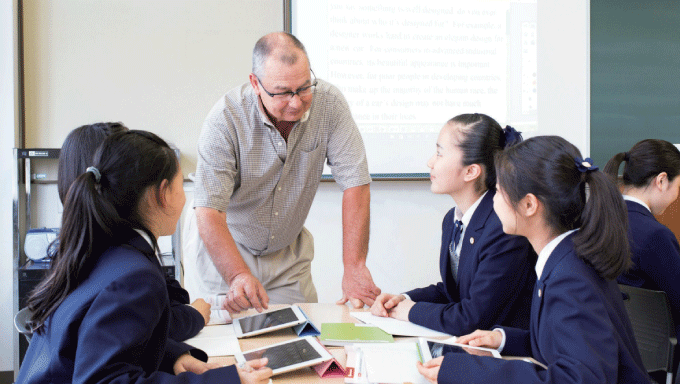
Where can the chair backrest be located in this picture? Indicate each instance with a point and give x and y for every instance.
(652, 322)
(21, 323)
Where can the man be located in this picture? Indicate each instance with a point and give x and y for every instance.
(260, 157)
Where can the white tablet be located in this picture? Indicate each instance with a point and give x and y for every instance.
(289, 355)
(268, 321)
(437, 348)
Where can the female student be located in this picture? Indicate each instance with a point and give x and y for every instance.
(579, 326)
(650, 185)
(75, 156)
(102, 313)
(487, 276)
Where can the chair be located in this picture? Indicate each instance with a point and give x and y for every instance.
(652, 322)
(21, 323)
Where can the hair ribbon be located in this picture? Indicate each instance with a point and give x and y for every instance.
(96, 173)
(585, 165)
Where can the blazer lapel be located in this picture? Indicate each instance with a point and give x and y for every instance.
(472, 236)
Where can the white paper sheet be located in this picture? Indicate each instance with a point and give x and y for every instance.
(216, 340)
(396, 327)
(393, 363)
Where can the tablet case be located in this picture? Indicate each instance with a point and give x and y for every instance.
(331, 368)
(307, 328)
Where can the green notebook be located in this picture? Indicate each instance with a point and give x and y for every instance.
(349, 333)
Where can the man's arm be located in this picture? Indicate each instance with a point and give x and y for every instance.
(357, 283)
(245, 291)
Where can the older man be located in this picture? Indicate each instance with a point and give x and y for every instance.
(260, 157)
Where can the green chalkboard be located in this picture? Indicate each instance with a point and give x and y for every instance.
(635, 74)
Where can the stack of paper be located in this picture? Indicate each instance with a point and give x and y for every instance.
(347, 333)
(217, 314)
(383, 363)
(396, 327)
(216, 340)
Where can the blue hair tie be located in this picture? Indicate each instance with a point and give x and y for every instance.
(96, 173)
(510, 137)
(585, 165)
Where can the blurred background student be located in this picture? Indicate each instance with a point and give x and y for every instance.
(650, 184)
(487, 276)
(102, 313)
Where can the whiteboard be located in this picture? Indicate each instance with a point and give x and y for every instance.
(408, 67)
(157, 65)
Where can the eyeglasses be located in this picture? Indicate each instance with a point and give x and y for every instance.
(288, 95)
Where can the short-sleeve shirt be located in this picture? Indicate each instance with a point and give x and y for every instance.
(265, 184)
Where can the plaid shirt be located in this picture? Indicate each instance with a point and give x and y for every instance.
(265, 184)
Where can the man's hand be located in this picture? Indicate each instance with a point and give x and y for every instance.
(203, 308)
(245, 291)
(384, 303)
(430, 369)
(188, 363)
(358, 287)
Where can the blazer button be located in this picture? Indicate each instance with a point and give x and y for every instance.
(472, 240)
(539, 292)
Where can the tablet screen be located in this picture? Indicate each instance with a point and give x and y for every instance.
(439, 349)
(267, 320)
(285, 355)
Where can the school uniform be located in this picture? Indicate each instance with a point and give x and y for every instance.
(656, 256)
(494, 281)
(185, 320)
(579, 330)
(114, 327)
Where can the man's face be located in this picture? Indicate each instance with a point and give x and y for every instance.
(281, 77)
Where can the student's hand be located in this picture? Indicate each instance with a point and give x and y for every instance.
(188, 363)
(384, 302)
(245, 291)
(203, 308)
(430, 369)
(479, 338)
(358, 287)
(400, 312)
(254, 372)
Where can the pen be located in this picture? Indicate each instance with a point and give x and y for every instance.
(360, 358)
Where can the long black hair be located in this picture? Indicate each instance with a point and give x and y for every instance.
(480, 138)
(645, 161)
(78, 150)
(101, 207)
(551, 168)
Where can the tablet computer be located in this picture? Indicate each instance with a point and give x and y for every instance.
(289, 355)
(438, 348)
(268, 321)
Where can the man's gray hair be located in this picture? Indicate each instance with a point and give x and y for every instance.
(270, 43)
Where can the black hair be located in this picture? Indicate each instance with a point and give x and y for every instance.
(100, 211)
(78, 149)
(546, 167)
(645, 161)
(481, 137)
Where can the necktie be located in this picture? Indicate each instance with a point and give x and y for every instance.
(457, 230)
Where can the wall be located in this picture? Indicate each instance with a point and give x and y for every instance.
(8, 129)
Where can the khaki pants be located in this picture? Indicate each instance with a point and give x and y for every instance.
(285, 274)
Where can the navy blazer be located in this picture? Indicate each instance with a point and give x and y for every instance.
(495, 278)
(579, 329)
(656, 257)
(113, 327)
(185, 320)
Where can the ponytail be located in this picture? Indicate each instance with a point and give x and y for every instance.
(100, 210)
(645, 161)
(574, 194)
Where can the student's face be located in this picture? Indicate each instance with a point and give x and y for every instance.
(506, 213)
(175, 198)
(280, 77)
(671, 193)
(446, 165)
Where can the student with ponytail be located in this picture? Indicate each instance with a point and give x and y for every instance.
(487, 276)
(574, 218)
(102, 312)
(650, 184)
(186, 319)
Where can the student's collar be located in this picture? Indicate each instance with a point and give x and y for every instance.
(636, 200)
(548, 250)
(471, 211)
(145, 236)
